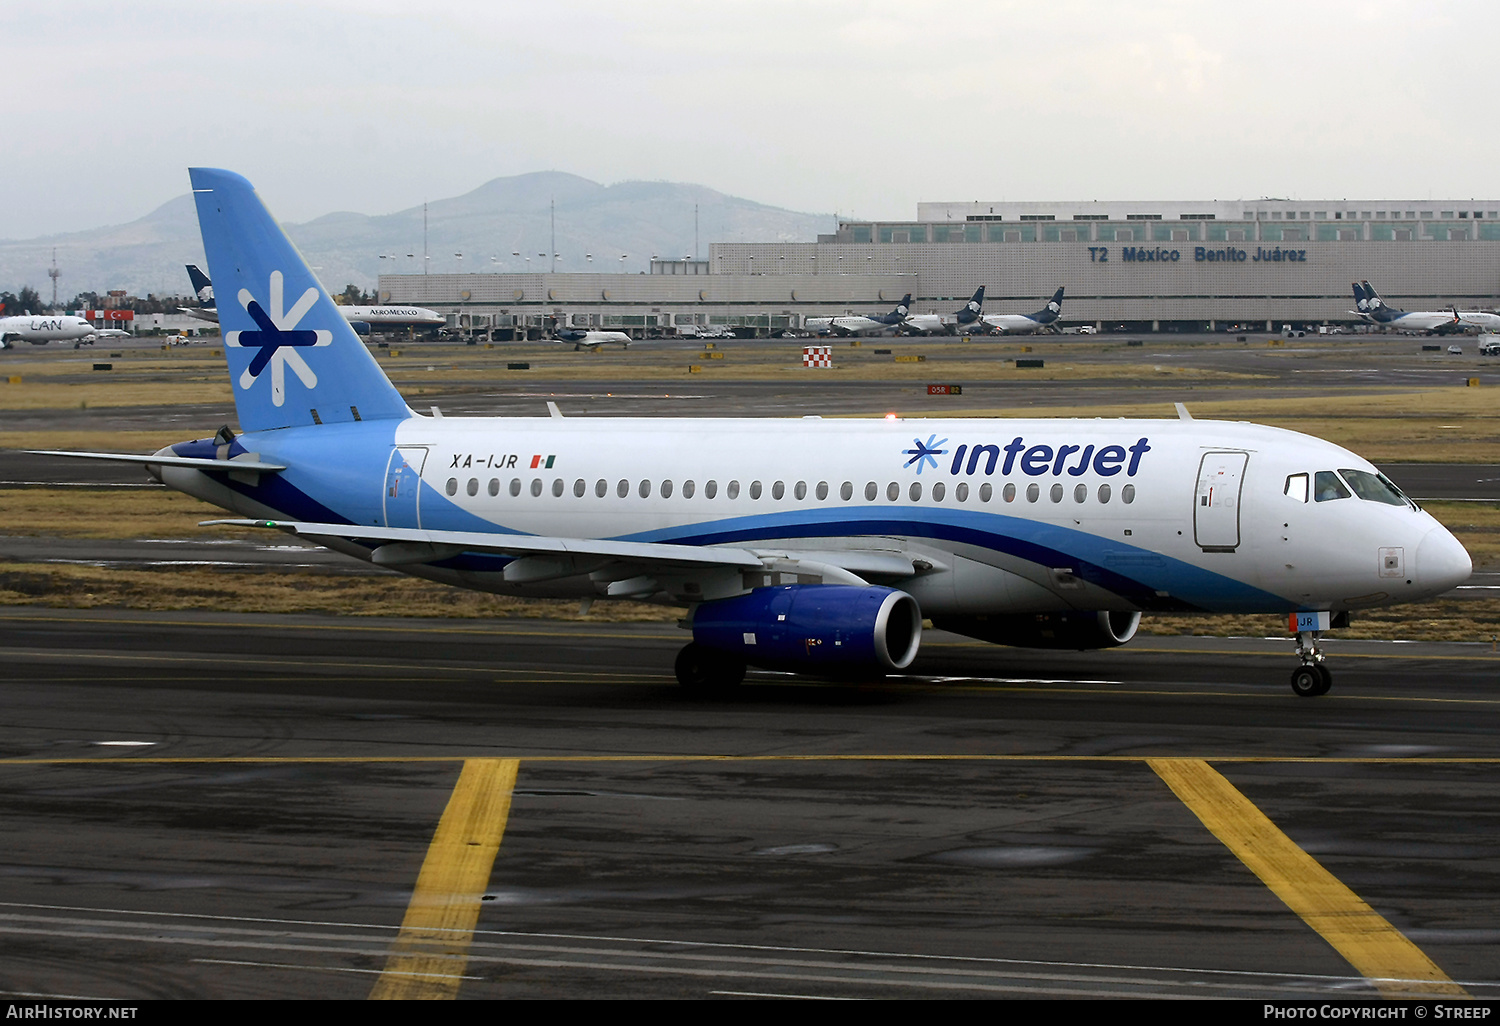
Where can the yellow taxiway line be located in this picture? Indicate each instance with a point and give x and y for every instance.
(1377, 950)
(430, 953)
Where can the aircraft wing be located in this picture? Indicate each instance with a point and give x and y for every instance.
(396, 546)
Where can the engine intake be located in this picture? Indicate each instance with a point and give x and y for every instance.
(811, 627)
(1073, 629)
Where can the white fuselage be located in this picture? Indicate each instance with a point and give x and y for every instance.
(1012, 324)
(43, 328)
(1482, 320)
(394, 316)
(1000, 516)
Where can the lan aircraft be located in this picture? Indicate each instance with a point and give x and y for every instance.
(364, 318)
(807, 545)
(39, 329)
(1025, 324)
(950, 324)
(862, 324)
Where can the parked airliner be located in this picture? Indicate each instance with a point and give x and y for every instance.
(861, 324)
(39, 329)
(808, 545)
(592, 338)
(1025, 324)
(365, 318)
(947, 324)
(1371, 308)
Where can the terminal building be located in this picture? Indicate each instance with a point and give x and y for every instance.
(1189, 265)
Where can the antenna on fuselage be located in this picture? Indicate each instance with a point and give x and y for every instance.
(1182, 413)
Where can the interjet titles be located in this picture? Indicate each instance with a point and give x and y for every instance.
(1040, 460)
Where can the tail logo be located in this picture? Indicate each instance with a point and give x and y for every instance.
(278, 339)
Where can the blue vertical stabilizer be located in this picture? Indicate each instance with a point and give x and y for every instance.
(294, 361)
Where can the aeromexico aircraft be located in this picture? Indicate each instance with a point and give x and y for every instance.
(364, 318)
(861, 324)
(39, 329)
(1021, 324)
(951, 324)
(1369, 306)
(810, 545)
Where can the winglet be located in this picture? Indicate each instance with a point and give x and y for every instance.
(1182, 413)
(552, 409)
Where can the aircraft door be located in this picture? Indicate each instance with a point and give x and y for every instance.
(1216, 504)
(403, 481)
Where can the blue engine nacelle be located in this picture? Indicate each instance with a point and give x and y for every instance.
(814, 627)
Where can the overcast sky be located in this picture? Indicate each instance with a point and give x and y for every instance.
(863, 107)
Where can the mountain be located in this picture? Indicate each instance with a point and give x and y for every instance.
(503, 216)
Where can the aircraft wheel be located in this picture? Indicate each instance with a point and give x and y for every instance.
(704, 671)
(1311, 680)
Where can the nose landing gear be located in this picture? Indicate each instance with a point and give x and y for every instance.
(1312, 678)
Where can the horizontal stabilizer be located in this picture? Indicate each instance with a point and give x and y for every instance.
(226, 466)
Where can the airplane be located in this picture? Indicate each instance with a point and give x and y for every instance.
(364, 318)
(804, 545)
(1023, 324)
(1371, 308)
(591, 338)
(861, 324)
(39, 329)
(933, 324)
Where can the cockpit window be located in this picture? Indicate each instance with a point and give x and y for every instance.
(1326, 486)
(1374, 487)
(1296, 487)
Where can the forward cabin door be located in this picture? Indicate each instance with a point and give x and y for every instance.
(1216, 506)
(403, 481)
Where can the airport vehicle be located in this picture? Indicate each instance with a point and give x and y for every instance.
(366, 319)
(1371, 308)
(591, 339)
(43, 328)
(946, 324)
(1026, 324)
(861, 324)
(1456, 350)
(808, 545)
(1489, 346)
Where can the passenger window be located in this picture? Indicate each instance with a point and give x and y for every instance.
(1057, 493)
(453, 486)
(961, 493)
(801, 490)
(1127, 494)
(623, 488)
(666, 489)
(1080, 493)
(579, 487)
(1296, 487)
(986, 492)
(937, 492)
(754, 489)
(710, 489)
(778, 490)
(645, 489)
(473, 486)
(1009, 492)
(494, 486)
(1327, 486)
(871, 490)
(733, 491)
(893, 491)
(1104, 493)
(846, 491)
(515, 487)
(601, 488)
(688, 488)
(915, 491)
(1033, 492)
(536, 487)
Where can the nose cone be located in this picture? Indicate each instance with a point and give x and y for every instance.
(1442, 563)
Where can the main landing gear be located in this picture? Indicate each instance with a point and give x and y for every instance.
(1312, 678)
(704, 671)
